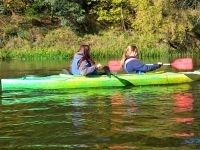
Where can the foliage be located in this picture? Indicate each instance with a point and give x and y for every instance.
(185, 4)
(157, 27)
(38, 7)
(16, 6)
(113, 12)
(162, 17)
(62, 38)
(1, 8)
(71, 13)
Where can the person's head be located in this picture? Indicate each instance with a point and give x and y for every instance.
(85, 49)
(130, 51)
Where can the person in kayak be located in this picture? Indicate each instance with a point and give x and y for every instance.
(132, 65)
(82, 63)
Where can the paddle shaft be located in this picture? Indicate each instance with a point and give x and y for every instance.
(162, 64)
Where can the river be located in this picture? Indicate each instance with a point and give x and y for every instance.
(146, 117)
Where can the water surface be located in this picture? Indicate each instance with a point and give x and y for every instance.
(146, 117)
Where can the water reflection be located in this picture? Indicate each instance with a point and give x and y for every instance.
(183, 102)
(162, 117)
(183, 108)
(18, 68)
(122, 107)
(149, 117)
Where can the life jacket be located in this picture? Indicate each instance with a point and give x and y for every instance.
(127, 60)
(74, 66)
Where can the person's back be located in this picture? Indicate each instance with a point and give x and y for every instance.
(82, 64)
(135, 66)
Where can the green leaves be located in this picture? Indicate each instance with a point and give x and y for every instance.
(1, 9)
(162, 21)
(17, 6)
(71, 13)
(113, 13)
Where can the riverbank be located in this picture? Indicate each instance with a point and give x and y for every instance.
(52, 30)
(62, 43)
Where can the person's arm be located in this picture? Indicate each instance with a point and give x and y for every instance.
(85, 70)
(139, 66)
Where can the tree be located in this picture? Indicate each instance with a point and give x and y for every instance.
(71, 13)
(164, 18)
(112, 12)
(16, 6)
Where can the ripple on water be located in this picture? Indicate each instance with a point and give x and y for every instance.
(118, 118)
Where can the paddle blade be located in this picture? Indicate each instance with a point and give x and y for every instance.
(182, 64)
(114, 65)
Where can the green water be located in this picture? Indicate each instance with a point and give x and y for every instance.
(146, 117)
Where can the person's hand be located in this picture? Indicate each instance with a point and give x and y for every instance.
(99, 66)
(160, 64)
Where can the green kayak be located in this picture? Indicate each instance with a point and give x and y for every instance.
(63, 81)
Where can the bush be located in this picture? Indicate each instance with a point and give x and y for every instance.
(61, 38)
(17, 44)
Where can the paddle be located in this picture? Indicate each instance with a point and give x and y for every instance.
(109, 73)
(178, 64)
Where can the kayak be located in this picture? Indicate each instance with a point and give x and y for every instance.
(64, 81)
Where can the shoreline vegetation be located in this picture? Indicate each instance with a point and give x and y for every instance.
(53, 30)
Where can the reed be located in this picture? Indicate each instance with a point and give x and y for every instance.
(42, 54)
(62, 43)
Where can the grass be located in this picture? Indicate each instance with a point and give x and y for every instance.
(62, 43)
(48, 54)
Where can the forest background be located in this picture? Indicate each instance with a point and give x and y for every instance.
(37, 29)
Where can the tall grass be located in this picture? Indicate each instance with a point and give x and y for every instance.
(62, 43)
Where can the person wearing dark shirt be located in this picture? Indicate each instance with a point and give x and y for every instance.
(132, 65)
